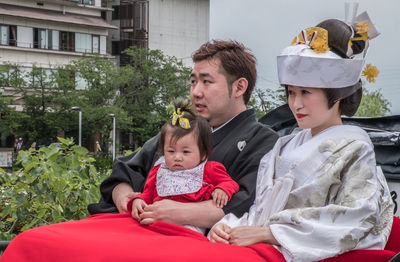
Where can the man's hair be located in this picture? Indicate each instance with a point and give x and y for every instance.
(236, 61)
(197, 125)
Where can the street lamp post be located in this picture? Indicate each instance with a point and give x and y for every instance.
(113, 135)
(80, 124)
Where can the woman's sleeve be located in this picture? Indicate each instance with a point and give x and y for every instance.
(357, 213)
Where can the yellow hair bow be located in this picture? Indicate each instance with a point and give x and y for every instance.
(178, 117)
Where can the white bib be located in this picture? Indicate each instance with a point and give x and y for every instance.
(171, 183)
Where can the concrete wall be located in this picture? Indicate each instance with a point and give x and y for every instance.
(19, 21)
(178, 27)
(59, 5)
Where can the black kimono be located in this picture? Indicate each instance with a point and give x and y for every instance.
(239, 146)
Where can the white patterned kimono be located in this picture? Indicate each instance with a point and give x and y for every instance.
(321, 196)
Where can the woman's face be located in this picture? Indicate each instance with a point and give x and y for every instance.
(310, 108)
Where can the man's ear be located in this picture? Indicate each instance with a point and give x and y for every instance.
(239, 87)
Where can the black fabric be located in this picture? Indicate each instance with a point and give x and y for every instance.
(383, 131)
(242, 166)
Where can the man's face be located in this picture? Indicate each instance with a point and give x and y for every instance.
(209, 93)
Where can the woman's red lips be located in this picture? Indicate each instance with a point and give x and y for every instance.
(299, 116)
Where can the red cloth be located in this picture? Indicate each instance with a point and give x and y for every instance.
(393, 243)
(214, 176)
(118, 237)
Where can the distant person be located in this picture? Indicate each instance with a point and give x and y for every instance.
(97, 148)
(184, 173)
(15, 146)
(19, 144)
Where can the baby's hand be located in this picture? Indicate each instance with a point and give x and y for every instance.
(138, 206)
(220, 197)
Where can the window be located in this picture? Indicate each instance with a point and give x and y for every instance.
(104, 15)
(13, 35)
(4, 34)
(115, 12)
(115, 48)
(40, 38)
(140, 16)
(83, 43)
(25, 36)
(96, 44)
(67, 41)
(85, 2)
(54, 36)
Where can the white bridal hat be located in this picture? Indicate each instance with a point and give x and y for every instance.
(309, 62)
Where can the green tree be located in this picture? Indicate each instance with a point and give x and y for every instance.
(97, 100)
(265, 100)
(373, 104)
(149, 84)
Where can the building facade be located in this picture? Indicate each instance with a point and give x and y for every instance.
(176, 27)
(49, 34)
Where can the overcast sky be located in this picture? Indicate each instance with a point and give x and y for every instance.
(267, 26)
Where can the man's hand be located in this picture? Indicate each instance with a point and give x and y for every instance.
(220, 197)
(138, 206)
(220, 234)
(163, 210)
(121, 195)
(200, 214)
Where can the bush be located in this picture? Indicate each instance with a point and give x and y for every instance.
(103, 162)
(54, 185)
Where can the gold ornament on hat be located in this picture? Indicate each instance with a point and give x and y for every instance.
(362, 28)
(370, 72)
(314, 37)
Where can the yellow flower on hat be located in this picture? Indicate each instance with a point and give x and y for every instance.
(370, 72)
(319, 46)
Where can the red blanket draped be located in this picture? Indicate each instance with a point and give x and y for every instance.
(117, 237)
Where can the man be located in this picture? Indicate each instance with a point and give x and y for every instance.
(222, 81)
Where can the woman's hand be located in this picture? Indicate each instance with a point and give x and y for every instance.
(138, 206)
(220, 197)
(249, 235)
(220, 234)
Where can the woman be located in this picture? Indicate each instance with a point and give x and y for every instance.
(319, 192)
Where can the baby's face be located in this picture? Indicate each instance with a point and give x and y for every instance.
(184, 154)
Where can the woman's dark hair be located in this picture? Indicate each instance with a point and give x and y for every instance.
(339, 34)
(198, 125)
(348, 104)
